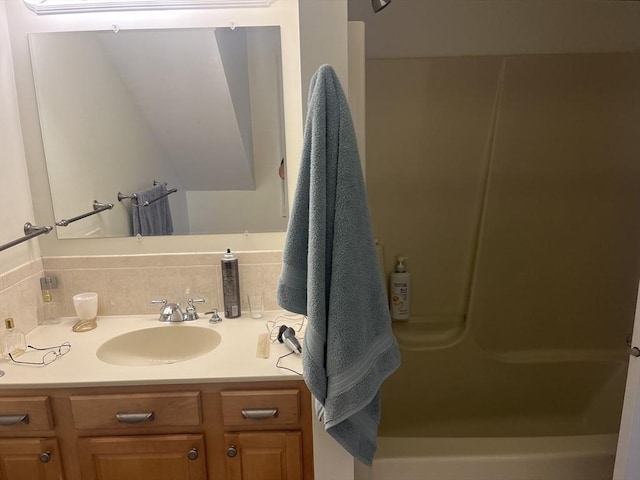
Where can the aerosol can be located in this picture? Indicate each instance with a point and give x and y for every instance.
(230, 285)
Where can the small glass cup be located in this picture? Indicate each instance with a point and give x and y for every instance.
(86, 305)
(255, 301)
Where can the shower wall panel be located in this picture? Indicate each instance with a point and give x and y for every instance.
(549, 259)
(559, 254)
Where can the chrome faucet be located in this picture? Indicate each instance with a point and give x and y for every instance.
(172, 312)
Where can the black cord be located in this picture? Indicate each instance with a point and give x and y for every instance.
(286, 368)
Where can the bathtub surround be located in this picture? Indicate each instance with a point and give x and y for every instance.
(587, 457)
(524, 242)
(524, 170)
(330, 273)
(127, 283)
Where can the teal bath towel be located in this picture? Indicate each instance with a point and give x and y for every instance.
(330, 273)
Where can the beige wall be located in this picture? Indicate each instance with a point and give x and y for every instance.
(15, 195)
(550, 258)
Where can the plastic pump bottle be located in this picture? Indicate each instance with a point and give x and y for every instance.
(400, 291)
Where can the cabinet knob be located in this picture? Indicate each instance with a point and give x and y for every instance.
(45, 457)
(635, 352)
(192, 454)
(232, 451)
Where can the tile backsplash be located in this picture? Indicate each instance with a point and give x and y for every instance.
(126, 284)
(20, 295)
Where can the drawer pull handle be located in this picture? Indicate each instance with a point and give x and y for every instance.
(260, 413)
(135, 417)
(232, 451)
(8, 420)
(45, 457)
(192, 454)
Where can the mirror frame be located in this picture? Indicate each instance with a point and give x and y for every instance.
(75, 6)
(23, 21)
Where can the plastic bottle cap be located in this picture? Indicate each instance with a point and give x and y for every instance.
(8, 322)
(400, 268)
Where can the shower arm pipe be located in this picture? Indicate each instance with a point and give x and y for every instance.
(97, 208)
(30, 231)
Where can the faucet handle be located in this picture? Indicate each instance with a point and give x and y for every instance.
(162, 302)
(190, 311)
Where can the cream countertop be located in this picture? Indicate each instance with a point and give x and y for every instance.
(233, 360)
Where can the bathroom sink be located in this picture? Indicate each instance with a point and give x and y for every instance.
(159, 345)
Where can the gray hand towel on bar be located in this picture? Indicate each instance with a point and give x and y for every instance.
(154, 219)
(330, 273)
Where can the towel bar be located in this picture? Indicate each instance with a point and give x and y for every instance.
(169, 192)
(30, 231)
(97, 208)
(121, 197)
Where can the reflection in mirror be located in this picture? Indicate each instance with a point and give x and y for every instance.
(197, 110)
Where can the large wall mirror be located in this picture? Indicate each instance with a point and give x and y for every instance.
(197, 109)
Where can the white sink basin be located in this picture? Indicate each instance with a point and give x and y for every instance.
(159, 345)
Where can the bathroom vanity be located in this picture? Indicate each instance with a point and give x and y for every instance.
(63, 398)
(223, 415)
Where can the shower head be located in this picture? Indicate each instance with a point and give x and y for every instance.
(378, 5)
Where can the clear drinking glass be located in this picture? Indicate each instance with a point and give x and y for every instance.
(256, 304)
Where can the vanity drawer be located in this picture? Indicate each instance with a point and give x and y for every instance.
(143, 410)
(261, 407)
(25, 414)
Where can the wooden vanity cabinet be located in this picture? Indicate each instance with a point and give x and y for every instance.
(263, 434)
(30, 459)
(136, 446)
(162, 457)
(225, 431)
(264, 455)
(28, 445)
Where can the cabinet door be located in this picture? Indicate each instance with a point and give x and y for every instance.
(158, 457)
(264, 456)
(30, 459)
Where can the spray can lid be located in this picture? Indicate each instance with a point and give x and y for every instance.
(400, 268)
(228, 255)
